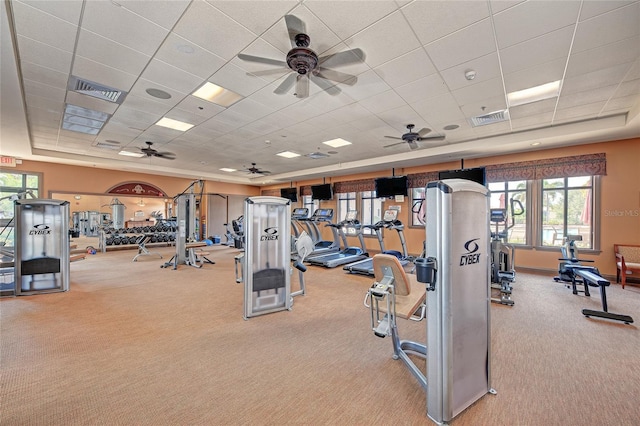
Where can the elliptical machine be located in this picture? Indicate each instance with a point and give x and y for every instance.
(503, 272)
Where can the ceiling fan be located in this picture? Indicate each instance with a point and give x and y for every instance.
(306, 64)
(150, 152)
(412, 137)
(253, 170)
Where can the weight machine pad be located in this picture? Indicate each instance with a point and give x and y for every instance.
(409, 293)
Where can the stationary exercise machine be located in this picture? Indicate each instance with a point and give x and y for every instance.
(300, 215)
(389, 221)
(267, 254)
(503, 272)
(349, 254)
(456, 271)
(573, 273)
(321, 247)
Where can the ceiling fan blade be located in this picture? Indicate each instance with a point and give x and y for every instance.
(302, 86)
(338, 76)
(413, 145)
(394, 144)
(295, 26)
(393, 137)
(324, 84)
(260, 59)
(423, 132)
(342, 58)
(269, 72)
(432, 138)
(165, 155)
(286, 84)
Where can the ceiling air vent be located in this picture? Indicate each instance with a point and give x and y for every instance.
(317, 155)
(492, 117)
(96, 90)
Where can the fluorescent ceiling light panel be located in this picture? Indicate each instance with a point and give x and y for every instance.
(216, 94)
(83, 120)
(226, 169)
(131, 154)
(534, 94)
(337, 143)
(288, 154)
(174, 124)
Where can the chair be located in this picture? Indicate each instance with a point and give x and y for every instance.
(409, 294)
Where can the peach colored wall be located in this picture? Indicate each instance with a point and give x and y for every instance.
(619, 209)
(619, 213)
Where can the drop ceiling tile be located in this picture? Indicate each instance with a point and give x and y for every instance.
(185, 116)
(426, 87)
(347, 18)
(163, 74)
(107, 52)
(478, 92)
(200, 107)
(37, 89)
(44, 55)
(616, 104)
(492, 129)
(399, 118)
(385, 40)
(245, 12)
(462, 46)
(581, 112)
(587, 97)
(183, 54)
(102, 74)
(631, 87)
(535, 76)
(225, 38)
(436, 19)
(235, 79)
(139, 89)
(595, 79)
(145, 104)
(250, 109)
(486, 68)
(44, 75)
(484, 106)
(604, 56)
(620, 24)
(543, 49)
(369, 84)
(406, 68)
(162, 12)
(123, 26)
(135, 118)
(41, 26)
(634, 71)
(533, 19)
(594, 8)
(439, 109)
(532, 109)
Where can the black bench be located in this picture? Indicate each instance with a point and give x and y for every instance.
(592, 279)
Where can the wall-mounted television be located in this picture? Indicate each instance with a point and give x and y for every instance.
(476, 174)
(321, 192)
(392, 186)
(289, 194)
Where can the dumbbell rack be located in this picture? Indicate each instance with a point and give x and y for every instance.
(125, 238)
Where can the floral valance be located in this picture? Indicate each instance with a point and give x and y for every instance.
(354, 186)
(577, 165)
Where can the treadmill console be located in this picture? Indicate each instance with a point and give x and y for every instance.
(322, 215)
(300, 213)
(351, 216)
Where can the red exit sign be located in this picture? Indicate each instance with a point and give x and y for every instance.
(7, 161)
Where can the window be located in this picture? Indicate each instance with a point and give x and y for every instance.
(14, 185)
(371, 213)
(567, 209)
(309, 203)
(511, 195)
(346, 202)
(418, 196)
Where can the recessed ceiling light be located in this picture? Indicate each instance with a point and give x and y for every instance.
(226, 169)
(337, 143)
(174, 124)
(288, 154)
(216, 94)
(535, 144)
(131, 154)
(534, 94)
(157, 93)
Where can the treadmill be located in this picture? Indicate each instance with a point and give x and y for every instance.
(348, 254)
(389, 221)
(322, 247)
(298, 215)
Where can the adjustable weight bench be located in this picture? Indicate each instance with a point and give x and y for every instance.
(592, 279)
(142, 249)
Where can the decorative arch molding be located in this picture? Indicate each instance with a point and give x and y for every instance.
(138, 189)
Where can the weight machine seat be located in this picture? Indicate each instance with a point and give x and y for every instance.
(409, 293)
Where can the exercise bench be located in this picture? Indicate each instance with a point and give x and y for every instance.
(589, 278)
(142, 248)
(195, 256)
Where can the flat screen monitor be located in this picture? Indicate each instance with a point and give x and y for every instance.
(289, 194)
(322, 192)
(392, 186)
(476, 174)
